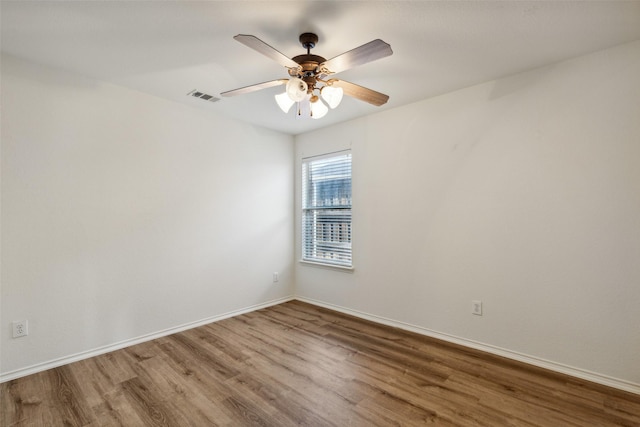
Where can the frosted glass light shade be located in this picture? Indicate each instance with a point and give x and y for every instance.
(318, 109)
(284, 101)
(297, 89)
(332, 95)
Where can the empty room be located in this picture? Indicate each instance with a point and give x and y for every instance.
(320, 213)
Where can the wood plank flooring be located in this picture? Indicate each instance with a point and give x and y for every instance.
(297, 364)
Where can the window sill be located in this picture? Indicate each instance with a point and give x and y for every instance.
(327, 266)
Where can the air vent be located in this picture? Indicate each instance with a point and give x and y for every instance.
(203, 96)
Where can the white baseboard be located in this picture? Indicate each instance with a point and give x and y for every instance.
(8, 376)
(531, 360)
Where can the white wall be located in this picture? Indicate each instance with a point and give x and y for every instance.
(124, 215)
(522, 192)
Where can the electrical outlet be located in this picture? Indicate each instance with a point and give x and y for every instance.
(275, 277)
(20, 328)
(476, 308)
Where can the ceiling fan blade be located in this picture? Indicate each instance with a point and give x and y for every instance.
(253, 88)
(362, 93)
(371, 51)
(258, 45)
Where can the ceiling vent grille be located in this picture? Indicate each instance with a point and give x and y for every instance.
(204, 96)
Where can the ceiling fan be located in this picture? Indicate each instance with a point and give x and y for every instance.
(311, 76)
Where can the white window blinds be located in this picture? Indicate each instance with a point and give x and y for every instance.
(326, 209)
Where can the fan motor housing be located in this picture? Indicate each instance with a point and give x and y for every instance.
(309, 64)
(308, 58)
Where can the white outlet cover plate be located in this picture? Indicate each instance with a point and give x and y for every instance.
(476, 308)
(20, 328)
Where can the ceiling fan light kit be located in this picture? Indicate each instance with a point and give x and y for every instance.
(309, 86)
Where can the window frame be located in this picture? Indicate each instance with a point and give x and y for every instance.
(330, 213)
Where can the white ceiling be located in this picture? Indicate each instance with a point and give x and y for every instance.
(169, 48)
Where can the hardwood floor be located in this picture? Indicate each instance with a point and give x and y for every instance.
(297, 364)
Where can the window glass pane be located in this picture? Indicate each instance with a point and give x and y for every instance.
(326, 209)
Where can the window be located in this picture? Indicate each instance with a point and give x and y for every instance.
(326, 209)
